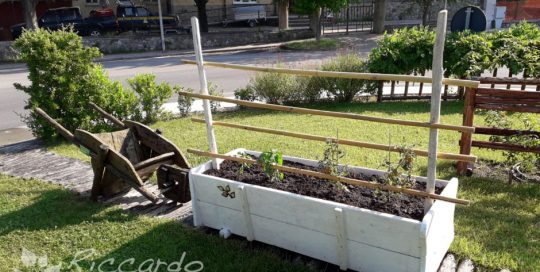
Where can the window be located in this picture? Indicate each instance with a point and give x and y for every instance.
(92, 2)
(49, 18)
(244, 1)
(128, 12)
(142, 12)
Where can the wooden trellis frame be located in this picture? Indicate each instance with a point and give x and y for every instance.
(433, 124)
(499, 100)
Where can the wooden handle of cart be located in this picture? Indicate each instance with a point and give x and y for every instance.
(59, 128)
(108, 116)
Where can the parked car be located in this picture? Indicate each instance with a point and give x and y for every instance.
(140, 18)
(55, 19)
(247, 15)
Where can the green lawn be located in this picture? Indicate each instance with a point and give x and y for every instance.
(500, 230)
(48, 220)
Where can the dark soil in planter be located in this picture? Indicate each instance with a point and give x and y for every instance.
(398, 204)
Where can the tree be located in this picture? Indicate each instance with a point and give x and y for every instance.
(29, 12)
(425, 8)
(314, 8)
(379, 16)
(283, 13)
(201, 13)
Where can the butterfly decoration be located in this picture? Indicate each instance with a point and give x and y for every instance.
(226, 191)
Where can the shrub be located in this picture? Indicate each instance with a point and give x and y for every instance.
(247, 94)
(467, 54)
(64, 79)
(406, 51)
(184, 102)
(151, 97)
(517, 48)
(213, 90)
(275, 88)
(344, 90)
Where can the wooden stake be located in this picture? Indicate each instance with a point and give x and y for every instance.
(349, 75)
(107, 115)
(356, 182)
(422, 153)
(204, 87)
(353, 116)
(436, 87)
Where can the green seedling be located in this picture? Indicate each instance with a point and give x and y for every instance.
(330, 161)
(267, 160)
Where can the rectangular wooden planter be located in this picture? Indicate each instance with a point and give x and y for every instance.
(351, 237)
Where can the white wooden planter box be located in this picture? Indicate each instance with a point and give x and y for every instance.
(351, 237)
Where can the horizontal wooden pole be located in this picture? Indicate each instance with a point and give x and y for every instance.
(505, 146)
(329, 113)
(506, 100)
(504, 132)
(504, 107)
(416, 97)
(357, 182)
(348, 75)
(422, 153)
(154, 160)
(508, 80)
(508, 93)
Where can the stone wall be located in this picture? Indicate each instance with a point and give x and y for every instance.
(119, 44)
(408, 10)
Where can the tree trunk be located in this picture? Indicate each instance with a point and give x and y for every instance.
(29, 13)
(283, 14)
(201, 13)
(315, 23)
(379, 16)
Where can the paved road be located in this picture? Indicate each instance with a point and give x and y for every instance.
(166, 69)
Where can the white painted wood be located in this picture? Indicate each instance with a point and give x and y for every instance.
(437, 74)
(341, 237)
(246, 212)
(204, 88)
(374, 241)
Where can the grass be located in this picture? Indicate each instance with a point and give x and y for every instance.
(500, 230)
(312, 45)
(48, 220)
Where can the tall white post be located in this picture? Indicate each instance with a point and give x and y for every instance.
(204, 88)
(161, 26)
(436, 87)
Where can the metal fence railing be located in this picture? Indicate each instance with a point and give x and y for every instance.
(355, 17)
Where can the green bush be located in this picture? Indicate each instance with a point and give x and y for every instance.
(406, 51)
(184, 102)
(247, 94)
(517, 48)
(151, 97)
(343, 90)
(64, 79)
(467, 54)
(275, 88)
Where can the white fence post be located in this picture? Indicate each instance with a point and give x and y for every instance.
(436, 87)
(204, 88)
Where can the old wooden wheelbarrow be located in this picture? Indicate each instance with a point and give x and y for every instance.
(127, 158)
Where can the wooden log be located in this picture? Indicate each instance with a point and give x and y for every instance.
(507, 93)
(504, 132)
(57, 126)
(516, 108)
(392, 87)
(505, 146)
(435, 113)
(406, 93)
(508, 80)
(356, 182)
(212, 145)
(329, 113)
(380, 90)
(348, 75)
(148, 167)
(421, 88)
(466, 137)
(509, 75)
(495, 71)
(422, 153)
(107, 115)
(506, 100)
